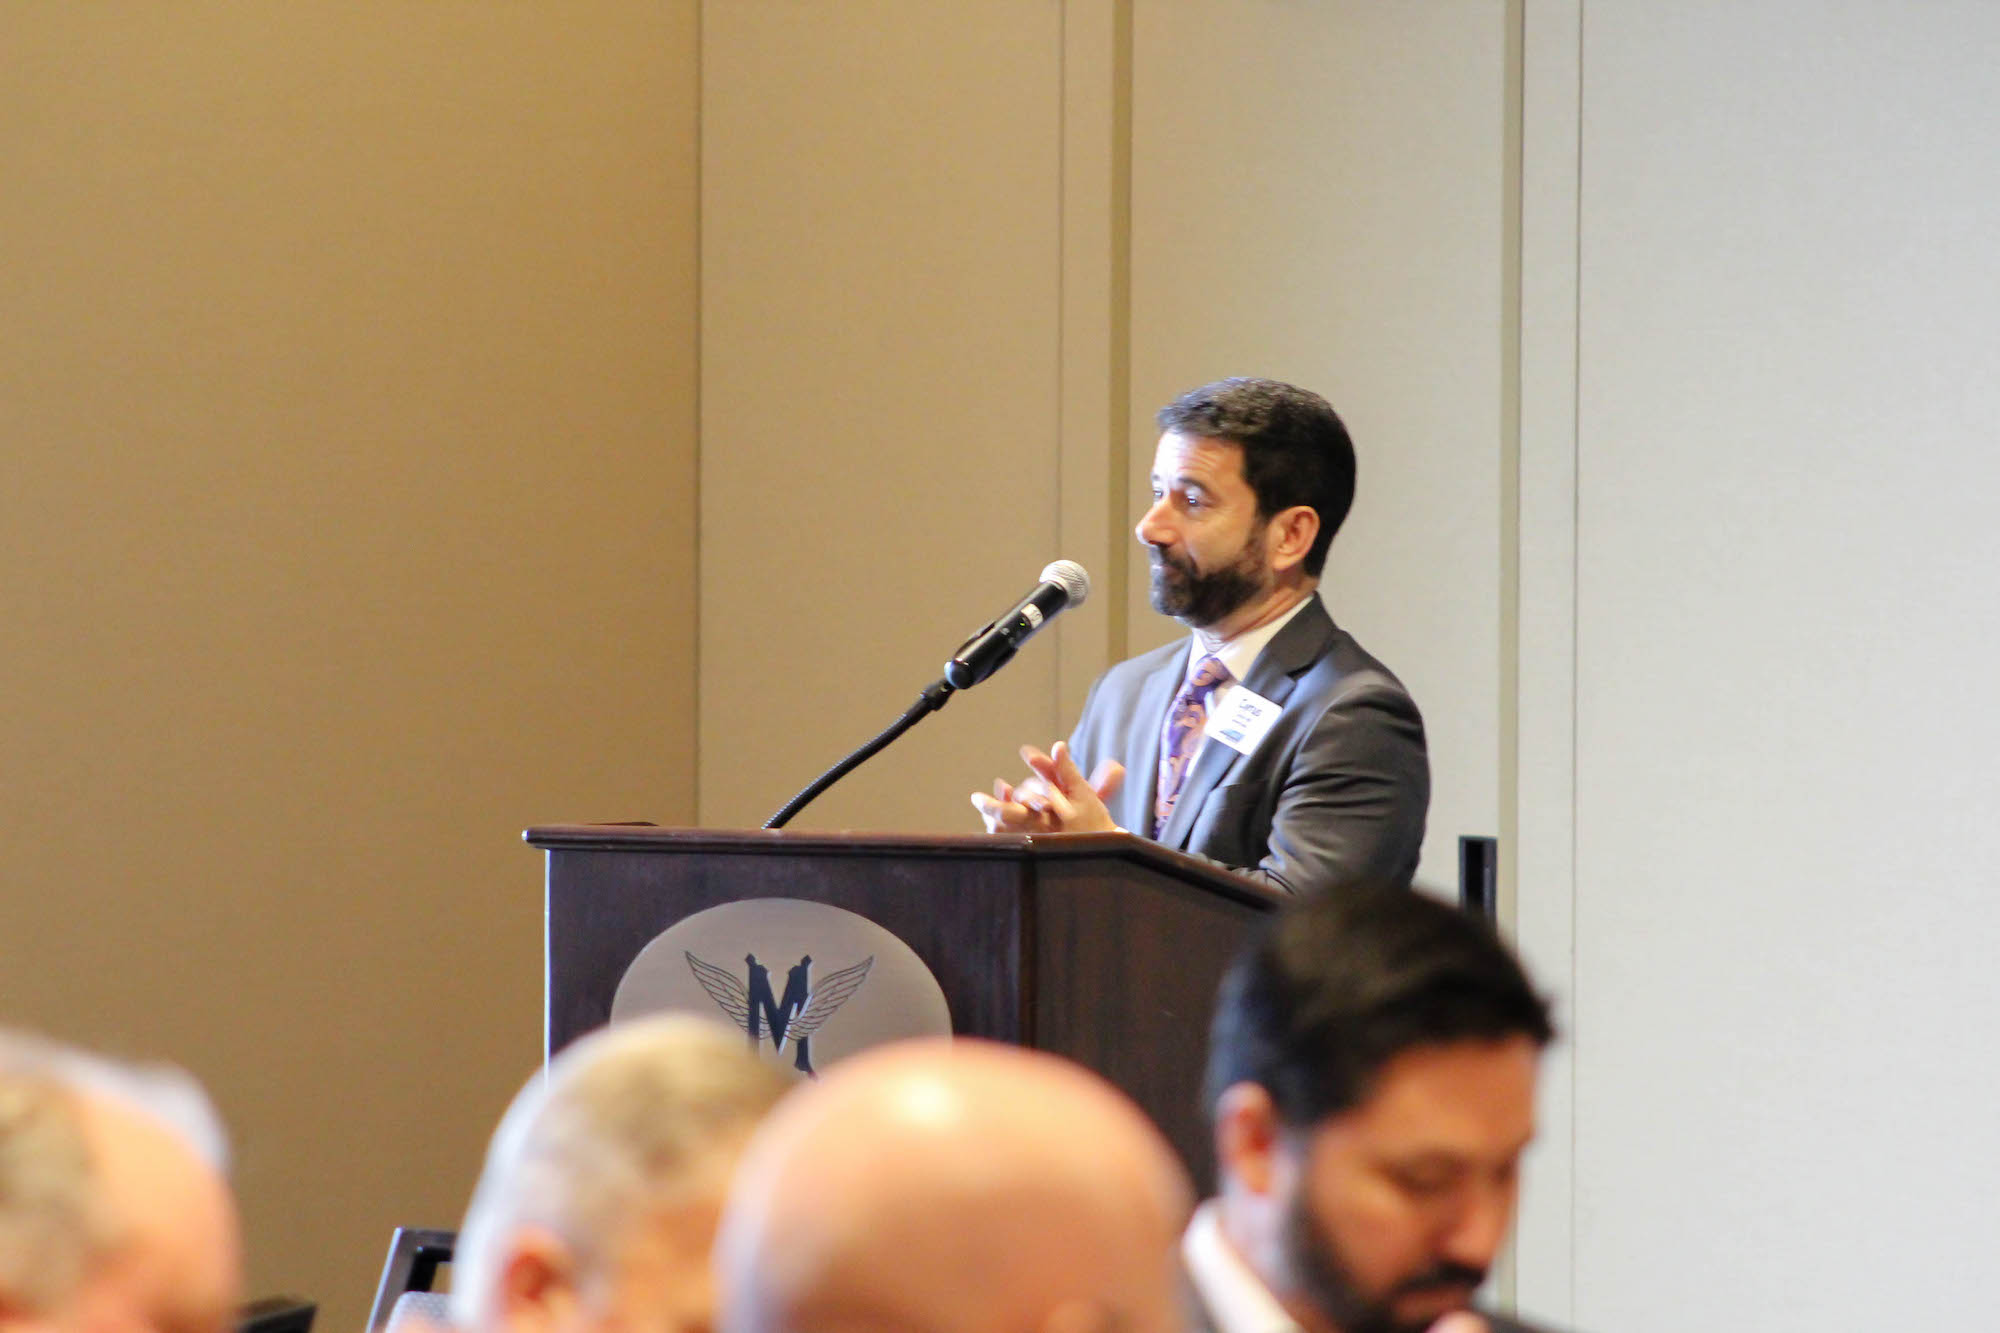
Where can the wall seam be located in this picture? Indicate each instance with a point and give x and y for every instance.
(1120, 444)
(1508, 759)
(1063, 441)
(700, 292)
(1575, 648)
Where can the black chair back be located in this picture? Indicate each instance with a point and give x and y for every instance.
(277, 1314)
(415, 1255)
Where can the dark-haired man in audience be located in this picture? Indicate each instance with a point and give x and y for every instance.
(114, 1214)
(1270, 742)
(1372, 1081)
(954, 1187)
(598, 1202)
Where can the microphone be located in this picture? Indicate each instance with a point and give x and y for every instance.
(1064, 584)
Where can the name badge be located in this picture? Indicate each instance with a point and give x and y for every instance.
(1241, 718)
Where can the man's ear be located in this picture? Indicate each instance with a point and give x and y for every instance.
(1247, 1133)
(538, 1283)
(1289, 535)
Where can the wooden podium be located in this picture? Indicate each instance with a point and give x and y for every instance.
(1104, 948)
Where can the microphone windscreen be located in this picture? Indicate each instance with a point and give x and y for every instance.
(1069, 574)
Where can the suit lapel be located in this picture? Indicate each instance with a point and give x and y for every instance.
(1274, 675)
(1303, 641)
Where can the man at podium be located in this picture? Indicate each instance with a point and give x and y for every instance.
(1269, 740)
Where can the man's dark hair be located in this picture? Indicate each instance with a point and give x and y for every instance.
(1295, 449)
(1337, 986)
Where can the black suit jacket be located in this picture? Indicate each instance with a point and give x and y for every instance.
(1335, 794)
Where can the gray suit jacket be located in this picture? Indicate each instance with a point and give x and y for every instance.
(1334, 795)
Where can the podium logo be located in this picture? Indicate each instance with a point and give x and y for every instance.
(803, 1015)
(796, 1017)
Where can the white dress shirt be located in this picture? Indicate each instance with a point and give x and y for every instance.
(1239, 655)
(1236, 1299)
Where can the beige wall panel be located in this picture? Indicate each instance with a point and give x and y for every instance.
(346, 389)
(1318, 195)
(880, 317)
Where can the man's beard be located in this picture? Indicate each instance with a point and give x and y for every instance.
(1324, 1280)
(1204, 600)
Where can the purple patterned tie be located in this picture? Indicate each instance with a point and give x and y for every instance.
(1183, 733)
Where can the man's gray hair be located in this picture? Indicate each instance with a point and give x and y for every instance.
(54, 1221)
(633, 1118)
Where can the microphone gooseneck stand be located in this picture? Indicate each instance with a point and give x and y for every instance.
(984, 652)
(934, 697)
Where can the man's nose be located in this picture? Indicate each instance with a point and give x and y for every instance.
(1477, 1234)
(1154, 528)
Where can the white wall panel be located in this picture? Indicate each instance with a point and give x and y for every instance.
(1789, 603)
(1544, 897)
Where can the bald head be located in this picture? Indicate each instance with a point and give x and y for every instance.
(113, 1209)
(953, 1187)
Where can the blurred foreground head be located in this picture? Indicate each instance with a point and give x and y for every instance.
(114, 1214)
(1372, 1076)
(598, 1202)
(953, 1187)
